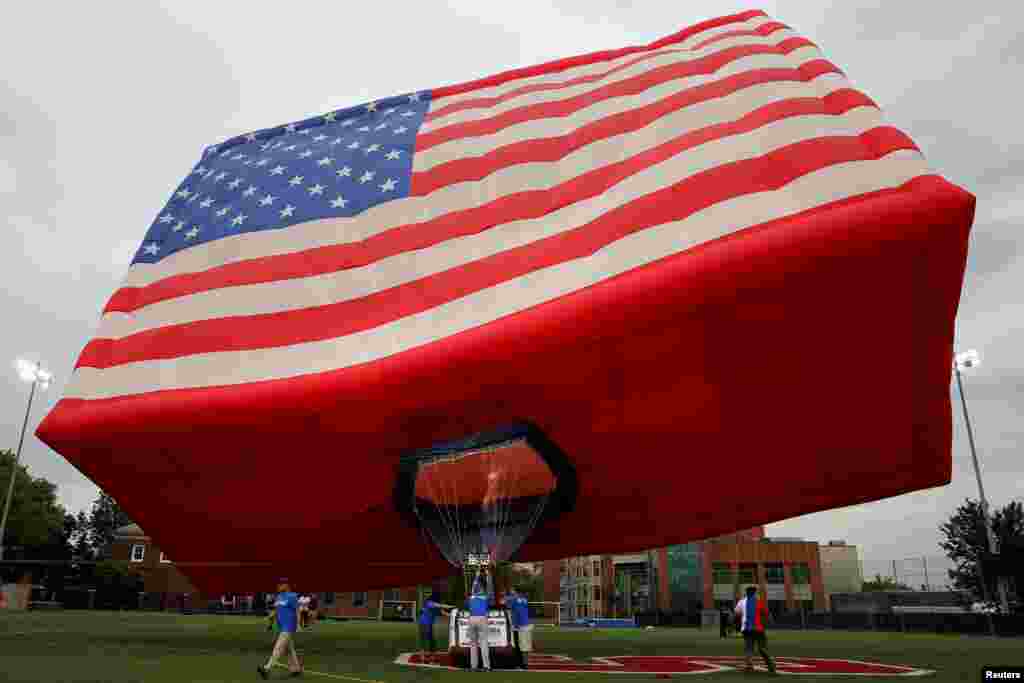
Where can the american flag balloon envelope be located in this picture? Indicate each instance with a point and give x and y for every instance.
(664, 268)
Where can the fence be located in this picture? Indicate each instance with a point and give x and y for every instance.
(918, 572)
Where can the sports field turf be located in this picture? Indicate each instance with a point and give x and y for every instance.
(155, 647)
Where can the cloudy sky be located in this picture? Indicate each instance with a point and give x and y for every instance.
(103, 113)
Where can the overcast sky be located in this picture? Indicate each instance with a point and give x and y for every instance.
(102, 113)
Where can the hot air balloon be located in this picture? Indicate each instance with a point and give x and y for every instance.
(569, 303)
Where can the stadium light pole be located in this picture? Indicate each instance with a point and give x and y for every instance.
(965, 360)
(40, 378)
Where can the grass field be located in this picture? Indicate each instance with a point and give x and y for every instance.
(155, 647)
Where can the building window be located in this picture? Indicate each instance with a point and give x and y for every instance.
(164, 559)
(800, 573)
(329, 598)
(359, 599)
(748, 573)
(597, 568)
(393, 594)
(722, 573)
(597, 593)
(138, 552)
(773, 573)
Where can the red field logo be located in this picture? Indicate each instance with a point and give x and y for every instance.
(690, 664)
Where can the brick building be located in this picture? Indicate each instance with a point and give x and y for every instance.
(690, 577)
(160, 576)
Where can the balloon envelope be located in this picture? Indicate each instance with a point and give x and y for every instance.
(678, 261)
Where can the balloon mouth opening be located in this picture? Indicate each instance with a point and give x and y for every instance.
(478, 499)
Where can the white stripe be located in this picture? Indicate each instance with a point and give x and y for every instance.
(554, 126)
(670, 56)
(231, 368)
(512, 179)
(345, 285)
(596, 67)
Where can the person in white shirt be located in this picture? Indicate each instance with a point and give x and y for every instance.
(304, 611)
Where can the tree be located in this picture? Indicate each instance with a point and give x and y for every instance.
(884, 583)
(96, 529)
(36, 523)
(966, 543)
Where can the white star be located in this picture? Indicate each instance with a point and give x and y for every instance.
(329, 118)
(224, 211)
(249, 192)
(225, 153)
(297, 180)
(166, 218)
(287, 211)
(151, 248)
(184, 193)
(372, 106)
(366, 177)
(305, 131)
(277, 144)
(239, 219)
(326, 161)
(372, 148)
(235, 183)
(277, 170)
(408, 113)
(180, 225)
(415, 97)
(219, 177)
(290, 148)
(363, 129)
(268, 200)
(343, 172)
(206, 203)
(348, 122)
(400, 130)
(251, 137)
(306, 154)
(247, 162)
(320, 137)
(381, 126)
(199, 171)
(238, 157)
(192, 233)
(389, 110)
(339, 202)
(354, 145)
(393, 154)
(291, 127)
(208, 174)
(263, 162)
(315, 189)
(388, 185)
(266, 145)
(336, 141)
(193, 198)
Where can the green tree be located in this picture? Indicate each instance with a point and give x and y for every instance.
(36, 523)
(104, 519)
(966, 543)
(885, 583)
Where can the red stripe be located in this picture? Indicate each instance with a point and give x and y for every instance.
(485, 102)
(672, 203)
(593, 57)
(629, 86)
(553, 148)
(516, 206)
(762, 30)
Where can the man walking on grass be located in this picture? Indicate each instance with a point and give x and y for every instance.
(754, 614)
(287, 605)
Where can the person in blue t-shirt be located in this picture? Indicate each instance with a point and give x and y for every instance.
(432, 607)
(522, 629)
(478, 605)
(287, 606)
